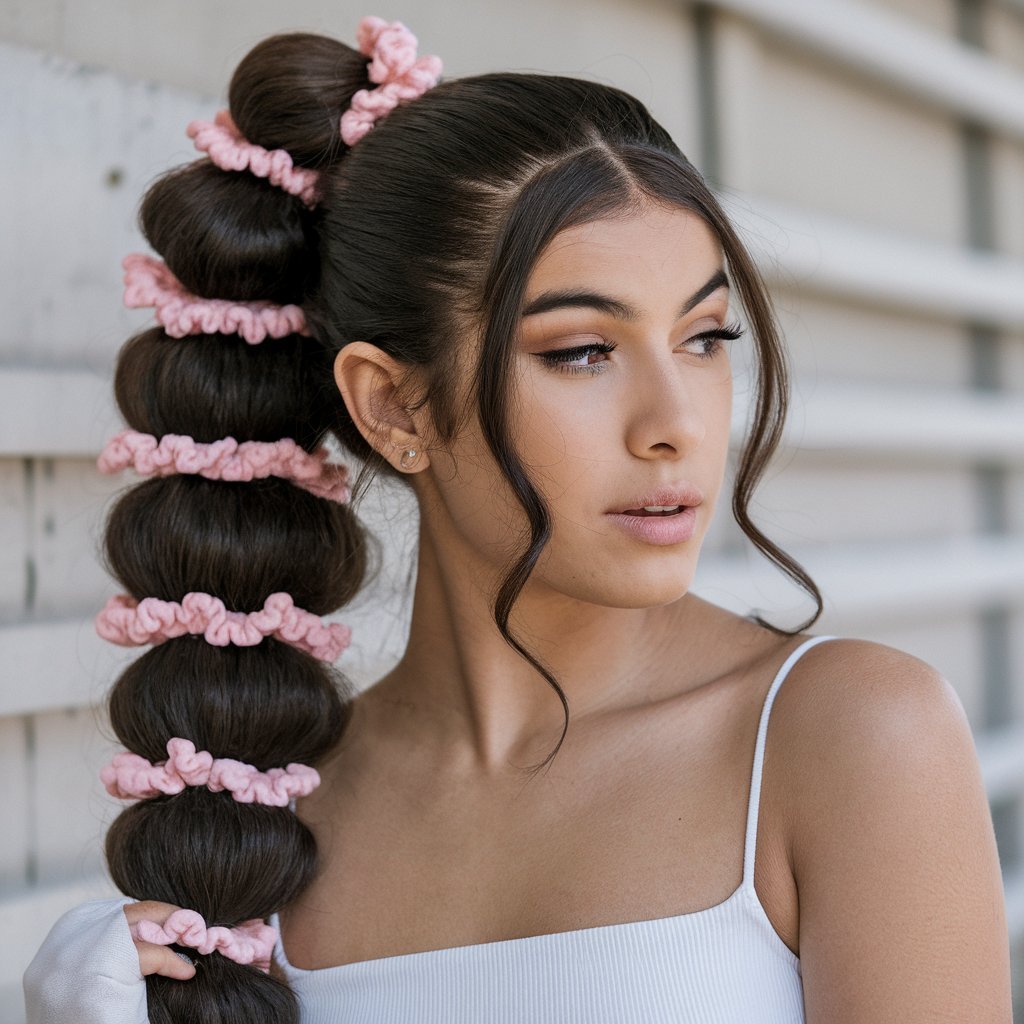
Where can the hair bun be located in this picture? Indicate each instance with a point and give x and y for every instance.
(228, 235)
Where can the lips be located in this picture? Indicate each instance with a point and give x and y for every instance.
(677, 528)
(668, 501)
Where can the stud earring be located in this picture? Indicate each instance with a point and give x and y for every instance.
(408, 459)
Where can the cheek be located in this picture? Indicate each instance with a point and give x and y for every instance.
(572, 451)
(564, 440)
(717, 413)
(552, 436)
(723, 394)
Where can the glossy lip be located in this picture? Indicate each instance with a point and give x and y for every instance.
(670, 529)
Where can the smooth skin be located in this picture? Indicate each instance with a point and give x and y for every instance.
(876, 858)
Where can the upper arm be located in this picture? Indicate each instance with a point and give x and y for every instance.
(901, 899)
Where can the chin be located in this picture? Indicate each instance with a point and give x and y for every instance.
(639, 586)
(654, 595)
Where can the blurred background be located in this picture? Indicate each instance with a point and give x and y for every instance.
(872, 152)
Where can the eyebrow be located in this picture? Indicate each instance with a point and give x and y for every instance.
(576, 299)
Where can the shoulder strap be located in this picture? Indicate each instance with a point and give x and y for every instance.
(750, 841)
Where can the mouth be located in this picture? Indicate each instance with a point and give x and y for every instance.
(655, 510)
(669, 500)
(654, 519)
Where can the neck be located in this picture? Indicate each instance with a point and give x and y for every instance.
(460, 685)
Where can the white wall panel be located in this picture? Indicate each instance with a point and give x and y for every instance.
(18, 810)
(809, 499)
(28, 398)
(1011, 359)
(71, 807)
(937, 15)
(14, 537)
(1016, 645)
(834, 143)
(832, 341)
(949, 642)
(71, 499)
(32, 24)
(798, 248)
(1004, 33)
(851, 426)
(737, 83)
(1015, 503)
(1008, 199)
(881, 46)
(56, 664)
(644, 50)
(63, 241)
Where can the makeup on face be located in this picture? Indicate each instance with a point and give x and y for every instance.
(634, 305)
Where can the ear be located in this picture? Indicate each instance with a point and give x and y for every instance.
(370, 381)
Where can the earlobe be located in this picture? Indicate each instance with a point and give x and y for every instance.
(370, 382)
(410, 456)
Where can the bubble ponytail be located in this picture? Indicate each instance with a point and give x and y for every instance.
(234, 548)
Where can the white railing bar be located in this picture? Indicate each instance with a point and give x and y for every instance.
(52, 412)
(892, 49)
(871, 583)
(823, 254)
(54, 664)
(883, 423)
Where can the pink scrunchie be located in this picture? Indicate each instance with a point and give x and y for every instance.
(230, 150)
(149, 282)
(226, 459)
(130, 776)
(151, 620)
(394, 66)
(251, 942)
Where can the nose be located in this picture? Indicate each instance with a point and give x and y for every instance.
(668, 414)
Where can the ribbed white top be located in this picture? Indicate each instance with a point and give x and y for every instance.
(722, 965)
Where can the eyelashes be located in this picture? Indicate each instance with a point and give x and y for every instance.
(563, 359)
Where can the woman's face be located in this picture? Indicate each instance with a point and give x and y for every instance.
(622, 398)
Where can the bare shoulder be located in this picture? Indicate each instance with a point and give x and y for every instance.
(855, 692)
(891, 841)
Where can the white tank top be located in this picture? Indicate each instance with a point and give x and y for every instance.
(722, 965)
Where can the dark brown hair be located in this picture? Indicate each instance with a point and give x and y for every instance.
(424, 237)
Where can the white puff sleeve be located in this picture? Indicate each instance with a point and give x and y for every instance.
(87, 970)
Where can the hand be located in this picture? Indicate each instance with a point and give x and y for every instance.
(155, 959)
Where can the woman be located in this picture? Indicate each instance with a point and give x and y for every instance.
(564, 803)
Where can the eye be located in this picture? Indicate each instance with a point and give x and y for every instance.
(578, 359)
(709, 343)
